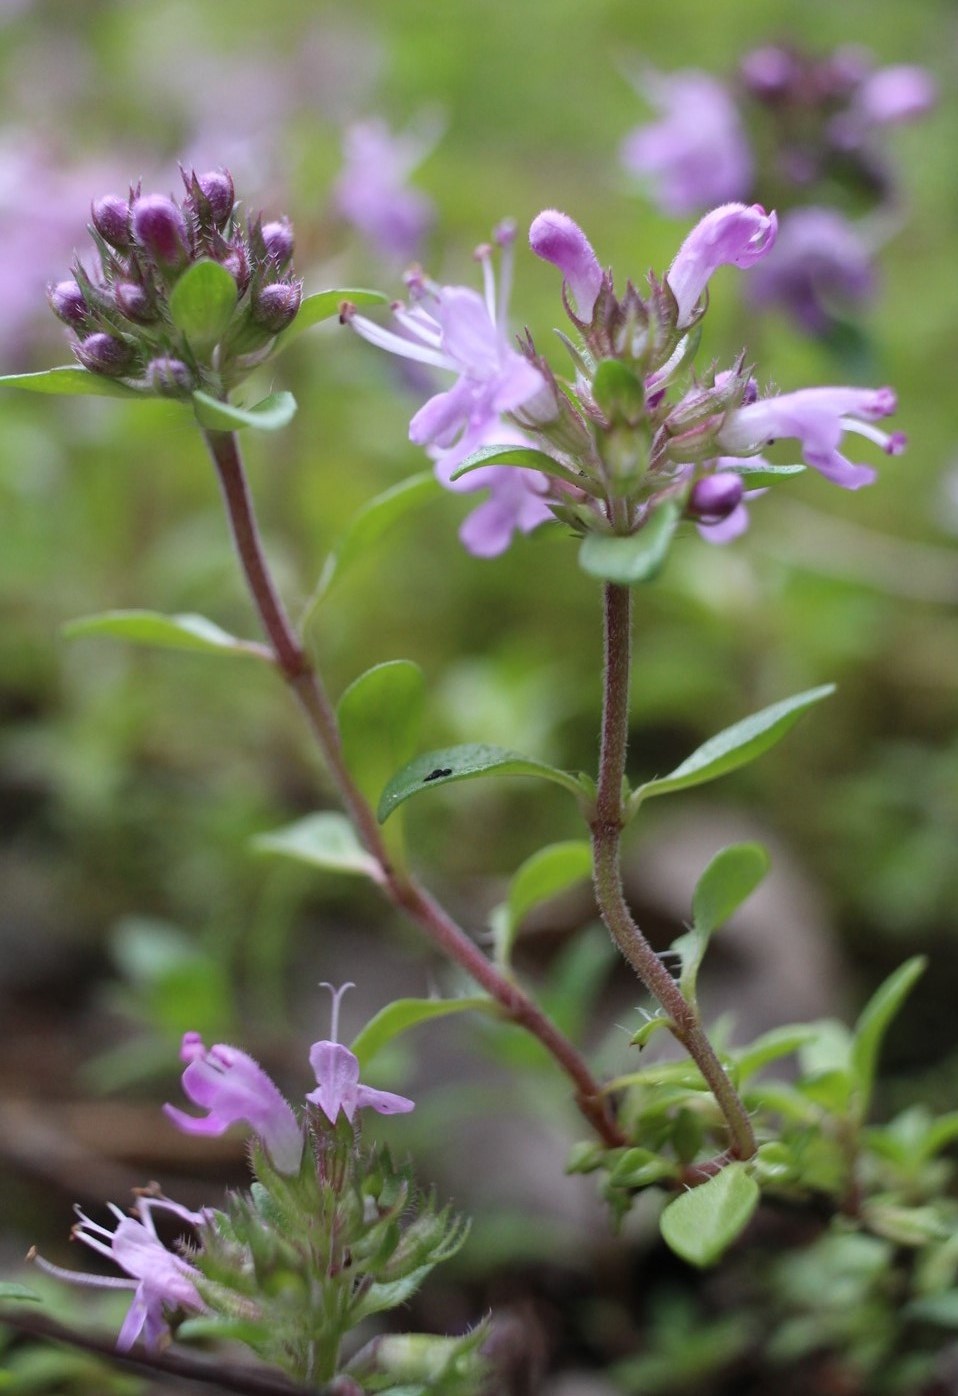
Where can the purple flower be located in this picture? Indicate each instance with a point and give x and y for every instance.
(232, 1087)
(456, 329)
(818, 418)
(895, 94)
(820, 262)
(735, 234)
(161, 1281)
(696, 154)
(555, 238)
(339, 1088)
(372, 194)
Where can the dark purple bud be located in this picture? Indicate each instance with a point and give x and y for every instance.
(160, 229)
(236, 263)
(714, 497)
(278, 241)
(133, 302)
(67, 303)
(111, 218)
(170, 377)
(769, 72)
(217, 189)
(275, 307)
(102, 353)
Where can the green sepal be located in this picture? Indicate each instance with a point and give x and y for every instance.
(70, 381)
(618, 393)
(182, 632)
(466, 762)
(202, 302)
(629, 559)
(273, 412)
(701, 1224)
(734, 747)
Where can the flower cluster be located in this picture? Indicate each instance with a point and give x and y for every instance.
(623, 438)
(794, 129)
(331, 1231)
(132, 319)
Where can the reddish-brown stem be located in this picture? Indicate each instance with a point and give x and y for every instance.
(398, 886)
(607, 824)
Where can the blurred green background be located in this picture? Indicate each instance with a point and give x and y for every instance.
(132, 782)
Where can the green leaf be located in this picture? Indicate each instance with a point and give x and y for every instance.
(637, 1168)
(270, 414)
(875, 1019)
(632, 558)
(757, 477)
(371, 523)
(70, 380)
(734, 747)
(323, 305)
(547, 873)
(379, 717)
(402, 1014)
(525, 458)
(183, 632)
(776, 1043)
(466, 763)
(325, 840)
(700, 1225)
(731, 876)
(202, 302)
(10, 1292)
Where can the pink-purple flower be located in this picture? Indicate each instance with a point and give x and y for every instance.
(818, 418)
(340, 1089)
(161, 1281)
(456, 329)
(820, 265)
(372, 192)
(233, 1088)
(696, 154)
(556, 238)
(735, 234)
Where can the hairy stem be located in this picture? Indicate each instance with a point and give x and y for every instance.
(607, 824)
(399, 887)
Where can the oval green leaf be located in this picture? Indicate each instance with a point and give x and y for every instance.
(379, 717)
(466, 763)
(370, 525)
(734, 747)
(875, 1019)
(183, 632)
(524, 458)
(323, 305)
(270, 414)
(545, 874)
(700, 1225)
(70, 381)
(325, 840)
(632, 558)
(402, 1014)
(202, 302)
(758, 477)
(730, 878)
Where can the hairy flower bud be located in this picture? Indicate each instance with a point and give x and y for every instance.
(275, 307)
(67, 303)
(133, 302)
(103, 353)
(160, 229)
(236, 263)
(170, 377)
(278, 241)
(111, 218)
(217, 188)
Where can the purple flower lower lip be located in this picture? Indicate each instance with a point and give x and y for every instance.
(234, 1089)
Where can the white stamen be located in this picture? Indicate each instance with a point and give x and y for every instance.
(395, 344)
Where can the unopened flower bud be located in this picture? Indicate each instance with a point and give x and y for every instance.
(133, 302)
(170, 377)
(111, 218)
(276, 306)
(67, 303)
(236, 263)
(103, 353)
(278, 241)
(160, 229)
(557, 239)
(714, 497)
(217, 189)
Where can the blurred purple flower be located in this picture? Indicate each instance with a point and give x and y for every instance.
(160, 1280)
(818, 418)
(372, 191)
(456, 329)
(820, 265)
(233, 1088)
(735, 234)
(696, 154)
(895, 94)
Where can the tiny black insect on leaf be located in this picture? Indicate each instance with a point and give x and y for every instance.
(437, 774)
